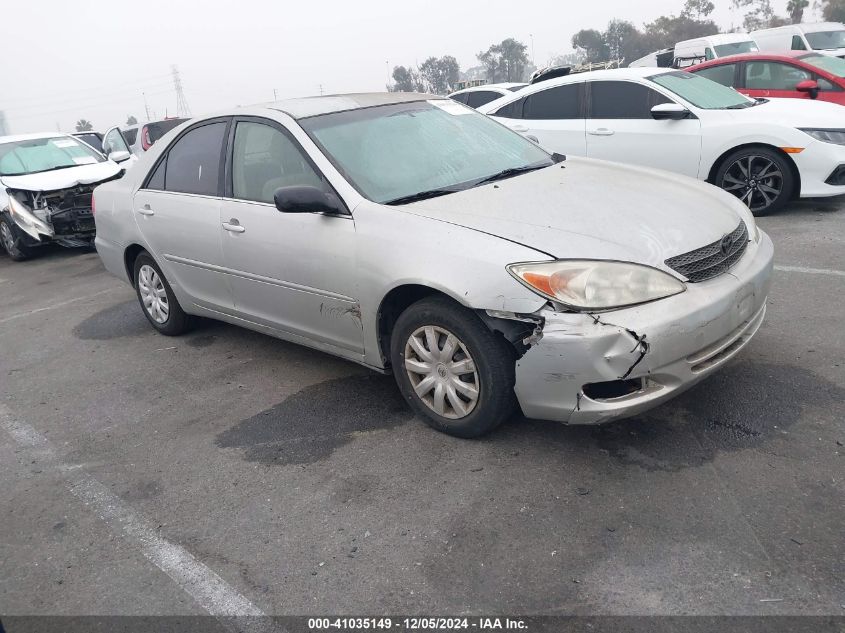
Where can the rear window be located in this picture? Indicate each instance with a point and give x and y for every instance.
(735, 48)
(723, 74)
(160, 128)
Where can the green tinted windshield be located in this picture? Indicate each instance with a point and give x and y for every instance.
(393, 151)
(833, 65)
(45, 154)
(701, 92)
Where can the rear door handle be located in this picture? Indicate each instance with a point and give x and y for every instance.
(233, 226)
(146, 210)
(602, 131)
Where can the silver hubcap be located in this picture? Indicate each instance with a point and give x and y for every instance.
(442, 372)
(6, 236)
(755, 180)
(153, 294)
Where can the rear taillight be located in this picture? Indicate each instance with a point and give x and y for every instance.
(146, 143)
(92, 205)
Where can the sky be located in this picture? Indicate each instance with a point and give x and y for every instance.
(96, 59)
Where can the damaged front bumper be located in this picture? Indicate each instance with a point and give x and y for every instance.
(593, 368)
(65, 217)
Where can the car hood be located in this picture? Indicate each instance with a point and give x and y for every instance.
(63, 178)
(793, 113)
(585, 208)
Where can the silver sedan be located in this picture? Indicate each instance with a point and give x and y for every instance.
(415, 236)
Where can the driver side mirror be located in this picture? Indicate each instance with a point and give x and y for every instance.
(670, 112)
(119, 156)
(809, 86)
(307, 199)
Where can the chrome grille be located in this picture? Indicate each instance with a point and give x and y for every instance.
(712, 260)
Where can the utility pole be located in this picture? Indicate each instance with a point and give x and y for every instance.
(146, 107)
(533, 61)
(321, 90)
(182, 108)
(275, 98)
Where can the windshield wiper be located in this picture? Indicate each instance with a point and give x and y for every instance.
(508, 173)
(421, 195)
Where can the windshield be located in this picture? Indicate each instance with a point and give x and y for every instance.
(395, 151)
(735, 48)
(826, 40)
(833, 65)
(45, 154)
(701, 92)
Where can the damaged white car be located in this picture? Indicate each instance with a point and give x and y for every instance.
(413, 235)
(46, 182)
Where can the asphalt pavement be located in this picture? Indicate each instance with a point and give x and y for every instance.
(227, 472)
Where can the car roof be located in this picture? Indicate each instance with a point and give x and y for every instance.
(503, 87)
(14, 138)
(305, 107)
(783, 56)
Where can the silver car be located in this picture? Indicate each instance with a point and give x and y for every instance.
(413, 235)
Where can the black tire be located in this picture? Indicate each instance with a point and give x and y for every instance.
(177, 321)
(12, 240)
(493, 373)
(753, 174)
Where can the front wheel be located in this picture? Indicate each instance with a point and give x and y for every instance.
(12, 241)
(453, 371)
(761, 178)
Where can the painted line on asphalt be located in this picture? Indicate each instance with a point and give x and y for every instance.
(53, 306)
(810, 271)
(208, 589)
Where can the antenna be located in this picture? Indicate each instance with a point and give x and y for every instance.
(182, 109)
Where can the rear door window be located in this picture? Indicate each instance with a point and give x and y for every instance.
(193, 162)
(623, 100)
(481, 97)
(723, 74)
(561, 102)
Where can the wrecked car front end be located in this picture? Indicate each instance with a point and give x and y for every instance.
(64, 216)
(590, 368)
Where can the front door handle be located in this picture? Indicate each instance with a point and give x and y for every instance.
(146, 210)
(233, 226)
(602, 131)
(519, 128)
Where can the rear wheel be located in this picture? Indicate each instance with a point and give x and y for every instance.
(453, 371)
(12, 241)
(157, 300)
(761, 178)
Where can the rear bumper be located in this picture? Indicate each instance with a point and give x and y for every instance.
(664, 347)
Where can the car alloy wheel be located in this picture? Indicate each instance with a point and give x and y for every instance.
(756, 180)
(442, 372)
(153, 294)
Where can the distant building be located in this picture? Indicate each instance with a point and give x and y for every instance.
(4, 127)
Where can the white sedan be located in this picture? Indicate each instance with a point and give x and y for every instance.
(477, 96)
(763, 152)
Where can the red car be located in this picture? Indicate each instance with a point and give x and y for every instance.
(791, 74)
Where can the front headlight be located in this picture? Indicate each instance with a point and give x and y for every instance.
(596, 284)
(826, 135)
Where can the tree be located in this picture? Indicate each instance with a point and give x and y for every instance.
(591, 45)
(795, 8)
(759, 14)
(131, 120)
(697, 9)
(406, 80)
(666, 31)
(833, 10)
(84, 125)
(440, 74)
(506, 61)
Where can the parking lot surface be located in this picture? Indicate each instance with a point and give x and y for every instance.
(229, 472)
